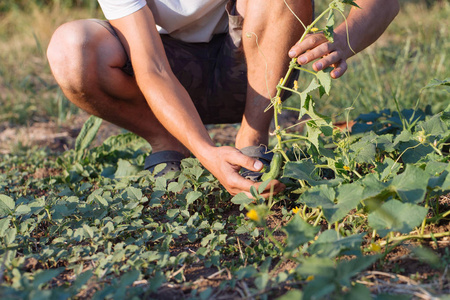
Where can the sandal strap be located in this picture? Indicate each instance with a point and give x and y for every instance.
(161, 157)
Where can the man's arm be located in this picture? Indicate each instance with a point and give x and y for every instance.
(172, 105)
(365, 25)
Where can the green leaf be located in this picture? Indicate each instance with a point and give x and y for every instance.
(348, 198)
(397, 216)
(429, 256)
(88, 231)
(325, 79)
(241, 199)
(81, 280)
(358, 292)
(319, 196)
(132, 194)
(10, 235)
(87, 133)
(304, 94)
(306, 170)
(387, 169)
(363, 151)
(125, 169)
(329, 27)
(42, 277)
(331, 244)
(4, 224)
(6, 205)
(346, 269)
(438, 83)
(192, 196)
(245, 272)
(411, 185)
(299, 232)
(22, 210)
(292, 295)
(261, 281)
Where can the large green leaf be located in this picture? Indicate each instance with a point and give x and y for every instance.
(87, 133)
(6, 205)
(43, 276)
(319, 196)
(397, 216)
(299, 232)
(411, 185)
(331, 244)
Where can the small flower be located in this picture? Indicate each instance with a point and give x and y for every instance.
(281, 81)
(421, 137)
(346, 168)
(314, 29)
(375, 247)
(295, 85)
(295, 210)
(310, 278)
(279, 100)
(253, 215)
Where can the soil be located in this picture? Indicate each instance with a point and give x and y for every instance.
(59, 137)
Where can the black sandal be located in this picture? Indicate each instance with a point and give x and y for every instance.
(171, 158)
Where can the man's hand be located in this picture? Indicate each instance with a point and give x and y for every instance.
(225, 163)
(365, 25)
(316, 46)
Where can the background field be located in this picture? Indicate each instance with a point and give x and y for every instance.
(88, 224)
(413, 51)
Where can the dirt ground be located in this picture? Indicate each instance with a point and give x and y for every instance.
(61, 137)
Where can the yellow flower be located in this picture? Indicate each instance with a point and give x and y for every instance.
(346, 168)
(314, 29)
(295, 85)
(253, 215)
(281, 81)
(375, 247)
(295, 210)
(310, 277)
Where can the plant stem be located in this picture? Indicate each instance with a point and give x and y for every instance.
(318, 218)
(416, 236)
(422, 228)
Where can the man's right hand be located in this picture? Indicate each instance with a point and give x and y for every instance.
(225, 163)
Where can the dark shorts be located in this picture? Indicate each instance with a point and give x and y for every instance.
(214, 73)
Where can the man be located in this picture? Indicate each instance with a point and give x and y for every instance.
(146, 78)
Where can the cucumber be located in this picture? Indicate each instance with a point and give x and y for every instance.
(275, 167)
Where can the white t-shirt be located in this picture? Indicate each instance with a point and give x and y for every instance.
(191, 21)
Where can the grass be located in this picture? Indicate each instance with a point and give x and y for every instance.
(413, 51)
(28, 91)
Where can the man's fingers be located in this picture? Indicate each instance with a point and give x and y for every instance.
(326, 61)
(247, 162)
(339, 69)
(309, 43)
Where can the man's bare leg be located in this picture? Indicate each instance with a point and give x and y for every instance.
(86, 60)
(277, 30)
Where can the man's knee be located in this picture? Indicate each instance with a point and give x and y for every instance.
(67, 52)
